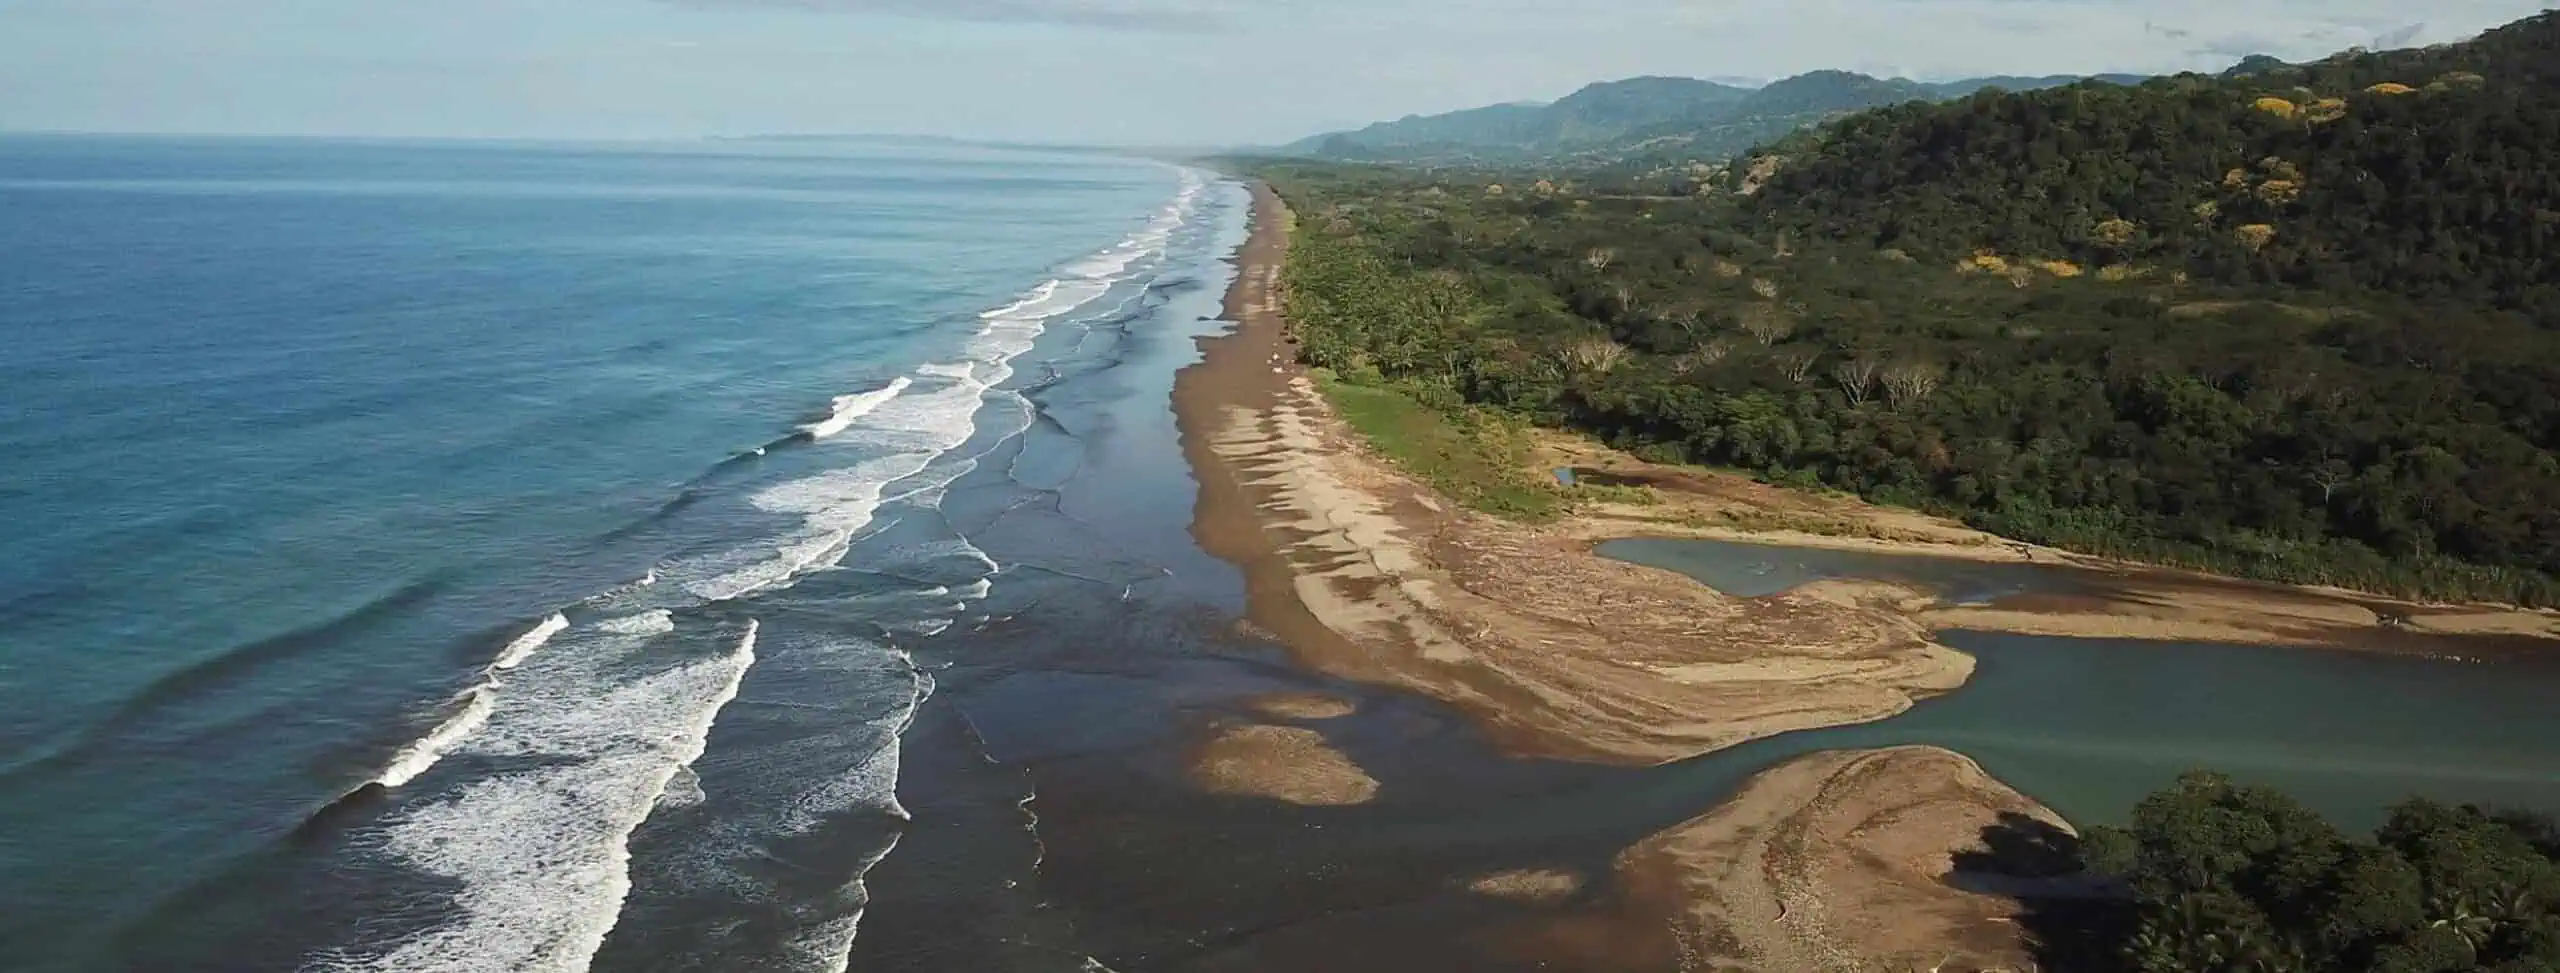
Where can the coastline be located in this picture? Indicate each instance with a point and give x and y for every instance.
(1555, 651)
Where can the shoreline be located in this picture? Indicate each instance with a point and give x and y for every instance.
(1365, 575)
(1554, 651)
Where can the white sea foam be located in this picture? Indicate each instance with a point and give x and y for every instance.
(541, 858)
(685, 790)
(523, 647)
(851, 407)
(653, 622)
(828, 946)
(933, 423)
(834, 506)
(478, 702)
(417, 757)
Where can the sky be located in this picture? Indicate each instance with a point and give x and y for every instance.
(1131, 72)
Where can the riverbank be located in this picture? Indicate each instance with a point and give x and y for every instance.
(2127, 600)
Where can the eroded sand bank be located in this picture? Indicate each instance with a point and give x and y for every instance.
(1366, 576)
(2136, 601)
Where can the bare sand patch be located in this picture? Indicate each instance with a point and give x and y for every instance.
(1536, 886)
(1302, 706)
(1281, 763)
(1840, 862)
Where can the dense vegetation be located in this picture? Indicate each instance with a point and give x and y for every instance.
(1661, 121)
(2219, 877)
(1980, 308)
(2424, 175)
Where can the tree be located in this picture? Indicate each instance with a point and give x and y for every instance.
(2227, 877)
(1766, 323)
(1795, 364)
(1911, 382)
(1855, 376)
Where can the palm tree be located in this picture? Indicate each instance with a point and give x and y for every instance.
(2455, 913)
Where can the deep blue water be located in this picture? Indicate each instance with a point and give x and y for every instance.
(308, 443)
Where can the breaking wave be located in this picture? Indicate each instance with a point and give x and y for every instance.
(852, 407)
(594, 717)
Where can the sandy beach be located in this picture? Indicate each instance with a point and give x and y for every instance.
(1365, 575)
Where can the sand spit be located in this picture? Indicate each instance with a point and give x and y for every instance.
(1365, 575)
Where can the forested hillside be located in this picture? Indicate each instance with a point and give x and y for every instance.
(2019, 308)
(1680, 119)
(2428, 174)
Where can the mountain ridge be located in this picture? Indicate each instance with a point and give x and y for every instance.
(1708, 117)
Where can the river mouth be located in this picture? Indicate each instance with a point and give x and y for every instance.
(2090, 725)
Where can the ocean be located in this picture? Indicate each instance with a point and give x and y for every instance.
(462, 556)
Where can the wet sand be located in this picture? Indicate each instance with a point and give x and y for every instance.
(1557, 652)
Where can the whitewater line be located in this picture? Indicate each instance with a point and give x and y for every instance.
(921, 686)
(417, 757)
(480, 700)
(852, 407)
(524, 645)
(698, 739)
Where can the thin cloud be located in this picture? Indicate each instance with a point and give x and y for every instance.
(1173, 16)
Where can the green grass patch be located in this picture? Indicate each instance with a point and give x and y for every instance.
(1632, 496)
(1471, 457)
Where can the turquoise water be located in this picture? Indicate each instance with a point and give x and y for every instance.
(2090, 725)
(1757, 570)
(477, 484)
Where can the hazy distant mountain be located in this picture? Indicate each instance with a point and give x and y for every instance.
(2256, 64)
(1650, 114)
(1596, 114)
